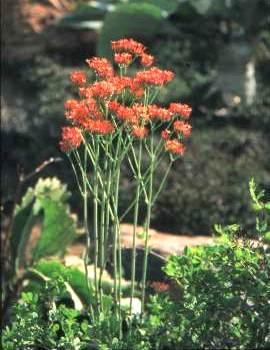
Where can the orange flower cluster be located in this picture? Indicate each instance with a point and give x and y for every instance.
(147, 60)
(182, 109)
(123, 58)
(165, 134)
(78, 77)
(140, 131)
(128, 45)
(154, 76)
(101, 66)
(114, 100)
(182, 127)
(157, 112)
(102, 127)
(71, 138)
(175, 146)
(124, 49)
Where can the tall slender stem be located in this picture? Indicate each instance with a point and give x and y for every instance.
(95, 219)
(135, 222)
(107, 219)
(102, 227)
(88, 240)
(117, 238)
(118, 249)
(147, 225)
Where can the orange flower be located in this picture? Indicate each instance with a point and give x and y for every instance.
(182, 127)
(93, 109)
(136, 88)
(113, 106)
(140, 132)
(182, 109)
(157, 112)
(165, 134)
(101, 66)
(71, 104)
(154, 76)
(129, 45)
(79, 113)
(147, 60)
(71, 138)
(101, 89)
(121, 83)
(78, 77)
(160, 287)
(123, 58)
(127, 114)
(141, 111)
(174, 146)
(103, 127)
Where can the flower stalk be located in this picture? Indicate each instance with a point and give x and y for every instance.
(115, 120)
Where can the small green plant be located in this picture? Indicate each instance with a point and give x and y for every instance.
(39, 323)
(45, 207)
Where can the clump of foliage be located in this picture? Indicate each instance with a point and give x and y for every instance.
(45, 208)
(38, 323)
(219, 295)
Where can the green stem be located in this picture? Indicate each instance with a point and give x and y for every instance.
(162, 182)
(107, 221)
(147, 226)
(102, 227)
(117, 234)
(88, 240)
(135, 222)
(76, 175)
(117, 240)
(95, 219)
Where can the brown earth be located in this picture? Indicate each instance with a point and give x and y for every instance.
(162, 243)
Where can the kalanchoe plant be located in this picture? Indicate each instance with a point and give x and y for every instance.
(115, 118)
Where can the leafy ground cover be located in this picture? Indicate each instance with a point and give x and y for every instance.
(214, 296)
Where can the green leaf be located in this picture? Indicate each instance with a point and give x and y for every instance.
(267, 237)
(86, 16)
(140, 21)
(21, 230)
(167, 6)
(75, 278)
(46, 200)
(267, 205)
(58, 229)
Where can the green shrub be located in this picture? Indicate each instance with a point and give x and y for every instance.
(219, 294)
(218, 298)
(221, 299)
(39, 324)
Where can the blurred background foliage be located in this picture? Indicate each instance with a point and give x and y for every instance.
(220, 52)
